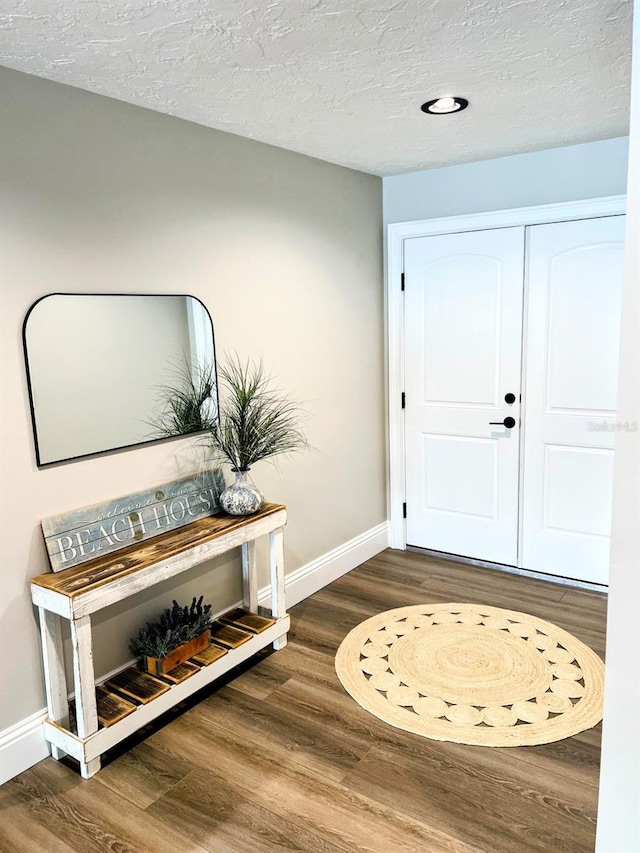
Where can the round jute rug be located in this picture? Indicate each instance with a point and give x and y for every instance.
(471, 674)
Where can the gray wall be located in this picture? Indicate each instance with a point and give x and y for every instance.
(543, 177)
(284, 250)
(618, 818)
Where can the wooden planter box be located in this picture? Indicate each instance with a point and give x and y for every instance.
(160, 666)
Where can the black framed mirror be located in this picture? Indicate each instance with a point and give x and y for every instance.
(99, 366)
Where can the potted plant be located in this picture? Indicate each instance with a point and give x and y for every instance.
(179, 634)
(255, 422)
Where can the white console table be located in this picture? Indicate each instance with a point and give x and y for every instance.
(76, 593)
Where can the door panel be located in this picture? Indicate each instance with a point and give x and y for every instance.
(573, 322)
(463, 328)
(476, 493)
(583, 323)
(577, 490)
(450, 378)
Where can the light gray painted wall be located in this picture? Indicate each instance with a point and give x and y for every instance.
(575, 172)
(618, 810)
(284, 250)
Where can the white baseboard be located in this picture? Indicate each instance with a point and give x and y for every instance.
(23, 745)
(320, 572)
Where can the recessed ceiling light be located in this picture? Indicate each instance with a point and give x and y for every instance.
(442, 106)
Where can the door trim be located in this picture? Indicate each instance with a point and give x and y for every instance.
(397, 233)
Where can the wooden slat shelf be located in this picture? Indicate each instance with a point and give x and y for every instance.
(107, 713)
(111, 707)
(88, 749)
(137, 685)
(181, 672)
(119, 696)
(228, 636)
(247, 621)
(209, 655)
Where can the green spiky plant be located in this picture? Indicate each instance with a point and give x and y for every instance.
(255, 421)
(176, 626)
(189, 403)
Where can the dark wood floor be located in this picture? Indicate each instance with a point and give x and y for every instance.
(281, 758)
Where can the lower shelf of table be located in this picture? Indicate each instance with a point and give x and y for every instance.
(135, 717)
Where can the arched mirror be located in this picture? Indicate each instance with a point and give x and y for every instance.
(101, 367)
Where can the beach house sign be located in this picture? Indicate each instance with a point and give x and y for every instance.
(84, 534)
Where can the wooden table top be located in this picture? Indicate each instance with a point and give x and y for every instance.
(80, 579)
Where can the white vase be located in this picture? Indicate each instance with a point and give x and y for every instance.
(242, 497)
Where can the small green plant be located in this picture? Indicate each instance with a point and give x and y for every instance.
(255, 421)
(188, 404)
(176, 626)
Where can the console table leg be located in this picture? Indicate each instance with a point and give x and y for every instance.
(276, 560)
(250, 576)
(90, 768)
(86, 711)
(54, 675)
(280, 643)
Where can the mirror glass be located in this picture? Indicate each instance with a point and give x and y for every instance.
(101, 369)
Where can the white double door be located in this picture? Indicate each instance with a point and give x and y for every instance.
(511, 349)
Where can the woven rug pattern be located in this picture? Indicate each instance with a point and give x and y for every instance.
(471, 674)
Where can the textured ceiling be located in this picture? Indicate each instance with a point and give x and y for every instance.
(343, 80)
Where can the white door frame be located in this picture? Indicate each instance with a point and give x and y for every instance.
(397, 233)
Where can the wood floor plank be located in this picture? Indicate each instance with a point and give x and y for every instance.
(403, 566)
(325, 750)
(573, 760)
(142, 775)
(498, 592)
(21, 833)
(497, 809)
(299, 660)
(85, 816)
(321, 625)
(49, 777)
(206, 808)
(258, 682)
(339, 711)
(260, 679)
(101, 820)
(585, 601)
(281, 758)
(494, 578)
(378, 594)
(348, 820)
(22, 802)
